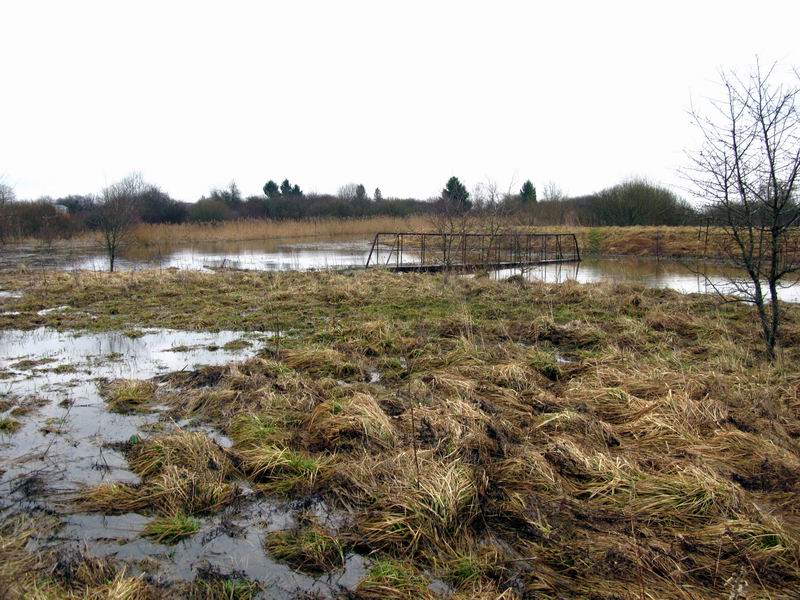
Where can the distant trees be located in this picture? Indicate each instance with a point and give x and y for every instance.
(552, 192)
(6, 193)
(117, 213)
(210, 210)
(747, 172)
(639, 202)
(634, 202)
(348, 192)
(527, 193)
(230, 196)
(155, 206)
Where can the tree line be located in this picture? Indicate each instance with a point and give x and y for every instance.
(633, 202)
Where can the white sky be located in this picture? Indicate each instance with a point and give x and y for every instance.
(400, 95)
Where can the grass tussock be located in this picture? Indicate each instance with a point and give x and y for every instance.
(394, 580)
(221, 588)
(353, 420)
(281, 470)
(411, 514)
(171, 530)
(319, 361)
(191, 450)
(308, 548)
(9, 426)
(128, 395)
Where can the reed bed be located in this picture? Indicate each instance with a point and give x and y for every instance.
(259, 229)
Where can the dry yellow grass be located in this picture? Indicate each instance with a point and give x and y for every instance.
(259, 229)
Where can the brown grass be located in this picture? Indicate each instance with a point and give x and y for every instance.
(660, 462)
(257, 229)
(183, 473)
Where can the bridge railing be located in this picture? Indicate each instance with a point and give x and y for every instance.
(438, 251)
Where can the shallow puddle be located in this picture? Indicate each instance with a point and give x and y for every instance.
(49, 387)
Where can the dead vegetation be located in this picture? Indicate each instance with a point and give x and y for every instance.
(659, 459)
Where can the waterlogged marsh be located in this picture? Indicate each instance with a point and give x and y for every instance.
(499, 435)
(343, 252)
(688, 278)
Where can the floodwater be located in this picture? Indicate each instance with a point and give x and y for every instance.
(702, 278)
(261, 255)
(68, 440)
(352, 252)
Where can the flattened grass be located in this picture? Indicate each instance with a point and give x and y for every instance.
(183, 473)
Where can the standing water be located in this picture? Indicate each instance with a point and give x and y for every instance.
(351, 252)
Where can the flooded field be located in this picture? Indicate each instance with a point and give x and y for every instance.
(261, 255)
(699, 278)
(352, 252)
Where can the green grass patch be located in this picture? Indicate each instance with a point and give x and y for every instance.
(171, 530)
(9, 426)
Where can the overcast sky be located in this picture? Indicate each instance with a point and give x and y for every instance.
(399, 95)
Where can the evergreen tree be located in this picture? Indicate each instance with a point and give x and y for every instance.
(378, 195)
(286, 188)
(528, 192)
(361, 192)
(456, 194)
(271, 189)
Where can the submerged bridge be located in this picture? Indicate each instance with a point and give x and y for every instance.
(470, 251)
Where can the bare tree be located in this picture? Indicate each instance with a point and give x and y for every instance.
(552, 192)
(746, 171)
(117, 213)
(492, 206)
(7, 196)
(348, 192)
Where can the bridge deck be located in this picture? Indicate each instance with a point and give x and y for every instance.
(426, 252)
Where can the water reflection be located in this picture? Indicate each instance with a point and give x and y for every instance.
(696, 278)
(352, 251)
(260, 255)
